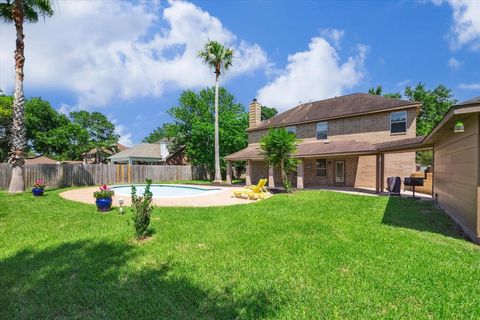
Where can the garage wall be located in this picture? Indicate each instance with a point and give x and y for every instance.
(456, 174)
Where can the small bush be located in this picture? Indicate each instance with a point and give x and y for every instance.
(142, 209)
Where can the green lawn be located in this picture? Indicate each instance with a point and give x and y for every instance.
(314, 254)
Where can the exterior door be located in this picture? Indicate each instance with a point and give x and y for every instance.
(340, 172)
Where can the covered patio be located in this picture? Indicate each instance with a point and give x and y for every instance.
(357, 165)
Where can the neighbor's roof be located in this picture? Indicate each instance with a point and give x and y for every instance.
(41, 159)
(320, 148)
(338, 107)
(142, 150)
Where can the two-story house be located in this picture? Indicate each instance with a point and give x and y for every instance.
(341, 141)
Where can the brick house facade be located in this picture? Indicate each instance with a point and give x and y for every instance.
(341, 141)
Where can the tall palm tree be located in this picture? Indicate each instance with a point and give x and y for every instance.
(219, 58)
(17, 12)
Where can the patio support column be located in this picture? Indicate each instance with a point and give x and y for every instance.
(271, 177)
(229, 172)
(377, 173)
(300, 174)
(382, 172)
(432, 170)
(248, 173)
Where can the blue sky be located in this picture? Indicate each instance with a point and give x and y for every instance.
(131, 60)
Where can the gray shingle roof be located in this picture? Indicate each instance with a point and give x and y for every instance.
(349, 105)
(142, 150)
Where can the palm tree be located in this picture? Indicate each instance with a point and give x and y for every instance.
(19, 11)
(217, 57)
(278, 148)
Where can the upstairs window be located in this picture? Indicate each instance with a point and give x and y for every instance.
(321, 168)
(398, 122)
(322, 130)
(292, 129)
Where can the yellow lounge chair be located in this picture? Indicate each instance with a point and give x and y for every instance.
(253, 192)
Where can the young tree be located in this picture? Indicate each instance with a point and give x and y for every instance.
(217, 57)
(19, 11)
(277, 147)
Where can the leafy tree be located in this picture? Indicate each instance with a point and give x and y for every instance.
(268, 112)
(378, 91)
(68, 142)
(435, 103)
(40, 116)
(219, 58)
(156, 135)
(17, 12)
(193, 126)
(6, 103)
(278, 147)
(100, 130)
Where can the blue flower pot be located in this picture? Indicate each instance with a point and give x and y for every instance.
(37, 192)
(104, 204)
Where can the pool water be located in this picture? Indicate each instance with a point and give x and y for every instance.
(166, 190)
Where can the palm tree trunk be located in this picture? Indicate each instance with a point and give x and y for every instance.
(218, 174)
(16, 156)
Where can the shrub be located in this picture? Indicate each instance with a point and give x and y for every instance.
(142, 209)
(104, 192)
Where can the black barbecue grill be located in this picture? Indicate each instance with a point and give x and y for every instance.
(413, 182)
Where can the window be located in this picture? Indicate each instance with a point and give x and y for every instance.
(292, 129)
(321, 168)
(398, 122)
(322, 130)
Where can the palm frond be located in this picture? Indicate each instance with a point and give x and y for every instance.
(6, 11)
(216, 55)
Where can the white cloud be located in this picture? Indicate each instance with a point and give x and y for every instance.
(125, 135)
(333, 35)
(466, 23)
(403, 83)
(314, 74)
(107, 50)
(469, 86)
(454, 63)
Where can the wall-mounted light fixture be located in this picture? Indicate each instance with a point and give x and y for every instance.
(459, 127)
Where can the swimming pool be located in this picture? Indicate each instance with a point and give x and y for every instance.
(166, 190)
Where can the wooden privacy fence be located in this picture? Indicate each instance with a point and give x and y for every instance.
(66, 175)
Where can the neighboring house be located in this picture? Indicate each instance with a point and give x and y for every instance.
(96, 156)
(150, 154)
(341, 141)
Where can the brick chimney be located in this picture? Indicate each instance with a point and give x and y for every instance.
(254, 114)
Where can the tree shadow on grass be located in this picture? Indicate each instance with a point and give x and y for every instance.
(98, 280)
(420, 215)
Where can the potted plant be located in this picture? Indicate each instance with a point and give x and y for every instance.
(104, 198)
(38, 188)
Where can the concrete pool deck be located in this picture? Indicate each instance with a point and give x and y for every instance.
(224, 197)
